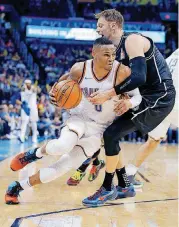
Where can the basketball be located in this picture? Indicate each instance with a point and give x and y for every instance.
(67, 93)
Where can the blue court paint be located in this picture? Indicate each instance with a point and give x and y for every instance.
(11, 147)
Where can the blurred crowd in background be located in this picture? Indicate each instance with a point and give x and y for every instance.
(56, 59)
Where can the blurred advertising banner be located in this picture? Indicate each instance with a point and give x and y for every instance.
(85, 34)
(81, 23)
(61, 33)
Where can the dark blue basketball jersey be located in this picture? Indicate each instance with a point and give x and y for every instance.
(158, 92)
(157, 68)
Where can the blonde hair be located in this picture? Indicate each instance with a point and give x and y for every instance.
(111, 15)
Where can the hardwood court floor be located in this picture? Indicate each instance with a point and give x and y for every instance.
(57, 205)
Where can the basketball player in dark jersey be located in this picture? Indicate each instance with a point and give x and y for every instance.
(149, 72)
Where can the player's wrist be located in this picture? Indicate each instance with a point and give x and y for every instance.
(111, 93)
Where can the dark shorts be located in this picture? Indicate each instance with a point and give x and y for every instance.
(154, 108)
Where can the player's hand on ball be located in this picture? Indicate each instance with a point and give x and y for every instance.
(122, 106)
(98, 97)
(52, 96)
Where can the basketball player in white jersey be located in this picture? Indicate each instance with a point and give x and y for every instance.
(29, 112)
(154, 137)
(81, 136)
(159, 133)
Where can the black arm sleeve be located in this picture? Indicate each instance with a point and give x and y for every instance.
(137, 78)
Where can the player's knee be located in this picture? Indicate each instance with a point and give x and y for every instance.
(109, 138)
(58, 147)
(111, 144)
(77, 126)
(77, 156)
(112, 151)
(90, 145)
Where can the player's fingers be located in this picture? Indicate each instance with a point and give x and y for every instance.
(120, 112)
(119, 104)
(92, 100)
(119, 108)
(54, 103)
(52, 98)
(51, 94)
(123, 110)
(96, 102)
(94, 94)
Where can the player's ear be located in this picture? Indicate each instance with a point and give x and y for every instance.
(113, 25)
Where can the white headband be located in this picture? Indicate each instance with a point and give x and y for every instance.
(27, 81)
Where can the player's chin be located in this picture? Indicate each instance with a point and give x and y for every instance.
(108, 67)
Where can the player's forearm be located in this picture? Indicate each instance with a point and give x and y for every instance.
(64, 77)
(137, 77)
(111, 93)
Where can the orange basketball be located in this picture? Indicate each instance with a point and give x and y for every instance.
(68, 94)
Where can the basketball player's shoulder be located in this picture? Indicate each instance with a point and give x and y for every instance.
(135, 44)
(77, 70)
(134, 39)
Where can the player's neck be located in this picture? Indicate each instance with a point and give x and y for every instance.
(116, 38)
(100, 72)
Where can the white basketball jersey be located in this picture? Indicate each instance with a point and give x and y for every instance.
(172, 62)
(101, 114)
(31, 98)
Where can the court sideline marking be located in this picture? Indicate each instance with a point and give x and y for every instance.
(19, 220)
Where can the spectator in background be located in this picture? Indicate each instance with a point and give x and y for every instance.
(5, 122)
(29, 113)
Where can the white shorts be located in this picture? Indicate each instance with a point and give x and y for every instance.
(161, 130)
(89, 133)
